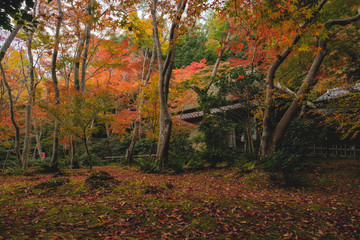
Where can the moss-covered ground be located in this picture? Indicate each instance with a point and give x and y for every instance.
(210, 204)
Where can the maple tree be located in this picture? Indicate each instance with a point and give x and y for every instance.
(271, 26)
(125, 51)
(85, 73)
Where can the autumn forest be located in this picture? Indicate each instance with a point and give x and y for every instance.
(180, 119)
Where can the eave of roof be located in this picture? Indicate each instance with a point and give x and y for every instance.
(337, 92)
(199, 114)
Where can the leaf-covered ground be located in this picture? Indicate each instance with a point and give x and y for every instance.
(212, 204)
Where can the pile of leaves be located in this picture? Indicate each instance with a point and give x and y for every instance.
(53, 183)
(100, 179)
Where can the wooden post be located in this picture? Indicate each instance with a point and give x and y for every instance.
(345, 150)
(336, 149)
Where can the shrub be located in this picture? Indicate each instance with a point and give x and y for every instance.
(84, 159)
(288, 164)
(181, 152)
(144, 146)
(246, 162)
(146, 164)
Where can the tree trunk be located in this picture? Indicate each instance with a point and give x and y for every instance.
(27, 137)
(130, 150)
(55, 152)
(12, 114)
(266, 137)
(77, 63)
(165, 70)
(87, 148)
(3, 51)
(38, 140)
(87, 44)
(9, 40)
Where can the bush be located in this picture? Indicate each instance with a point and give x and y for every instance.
(288, 164)
(214, 156)
(14, 171)
(181, 152)
(144, 146)
(46, 167)
(118, 147)
(146, 165)
(196, 162)
(246, 162)
(84, 159)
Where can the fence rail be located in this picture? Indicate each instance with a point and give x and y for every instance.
(109, 159)
(334, 150)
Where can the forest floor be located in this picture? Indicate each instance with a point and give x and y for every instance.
(209, 204)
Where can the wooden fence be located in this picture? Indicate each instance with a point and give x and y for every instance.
(322, 150)
(334, 150)
(109, 159)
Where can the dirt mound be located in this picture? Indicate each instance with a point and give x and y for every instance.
(101, 179)
(53, 183)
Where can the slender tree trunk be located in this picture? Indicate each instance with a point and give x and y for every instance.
(71, 152)
(7, 156)
(9, 40)
(135, 135)
(165, 70)
(87, 44)
(77, 64)
(55, 152)
(87, 148)
(27, 137)
(206, 111)
(12, 114)
(3, 51)
(217, 63)
(38, 140)
(130, 150)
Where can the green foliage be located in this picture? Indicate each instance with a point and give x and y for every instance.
(101, 147)
(242, 83)
(145, 146)
(45, 166)
(288, 164)
(300, 133)
(237, 84)
(214, 128)
(181, 152)
(84, 159)
(192, 49)
(288, 158)
(118, 147)
(14, 171)
(246, 162)
(146, 165)
(12, 9)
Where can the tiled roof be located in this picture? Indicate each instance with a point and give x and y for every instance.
(192, 115)
(337, 92)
